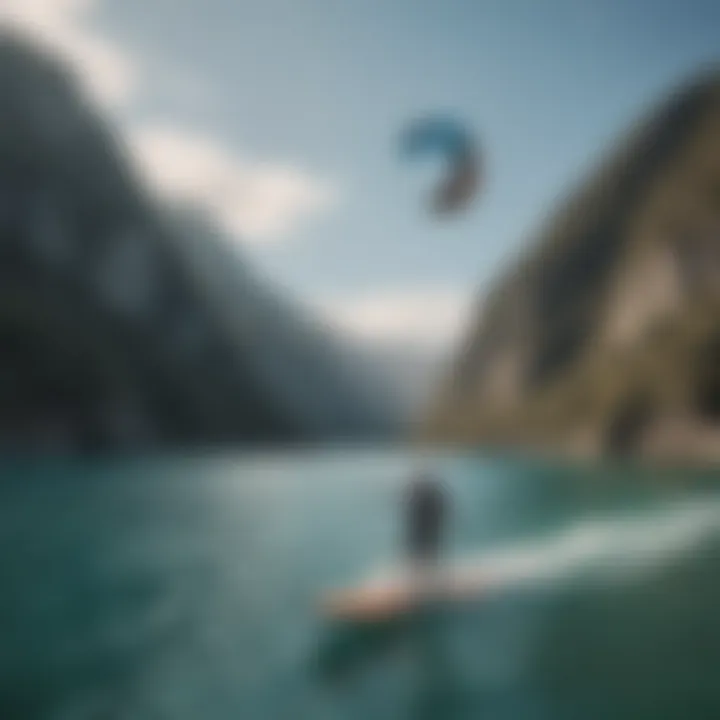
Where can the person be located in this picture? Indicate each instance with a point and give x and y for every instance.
(426, 511)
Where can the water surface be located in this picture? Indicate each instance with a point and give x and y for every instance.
(187, 588)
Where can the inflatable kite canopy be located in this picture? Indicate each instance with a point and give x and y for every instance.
(452, 141)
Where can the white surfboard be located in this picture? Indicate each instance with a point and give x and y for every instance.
(397, 594)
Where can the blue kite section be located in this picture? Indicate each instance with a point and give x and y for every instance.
(436, 135)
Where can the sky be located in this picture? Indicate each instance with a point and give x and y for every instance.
(282, 117)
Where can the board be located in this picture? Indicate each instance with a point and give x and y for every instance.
(396, 596)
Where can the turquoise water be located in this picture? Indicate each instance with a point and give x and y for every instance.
(186, 588)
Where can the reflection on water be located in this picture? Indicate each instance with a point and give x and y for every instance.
(188, 589)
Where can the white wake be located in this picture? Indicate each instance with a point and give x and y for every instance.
(607, 548)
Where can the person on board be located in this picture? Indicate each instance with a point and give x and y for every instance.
(426, 513)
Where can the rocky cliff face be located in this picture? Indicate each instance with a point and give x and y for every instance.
(121, 327)
(607, 329)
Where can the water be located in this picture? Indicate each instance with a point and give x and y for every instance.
(186, 589)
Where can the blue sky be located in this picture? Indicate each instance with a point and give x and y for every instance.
(282, 116)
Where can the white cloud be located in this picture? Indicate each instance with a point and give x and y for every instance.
(64, 26)
(259, 201)
(422, 317)
(253, 200)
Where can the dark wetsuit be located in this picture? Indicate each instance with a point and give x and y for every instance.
(426, 512)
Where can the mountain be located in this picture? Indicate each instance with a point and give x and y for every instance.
(127, 325)
(604, 338)
(410, 370)
(308, 371)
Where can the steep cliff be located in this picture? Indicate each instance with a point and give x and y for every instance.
(606, 333)
(122, 327)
